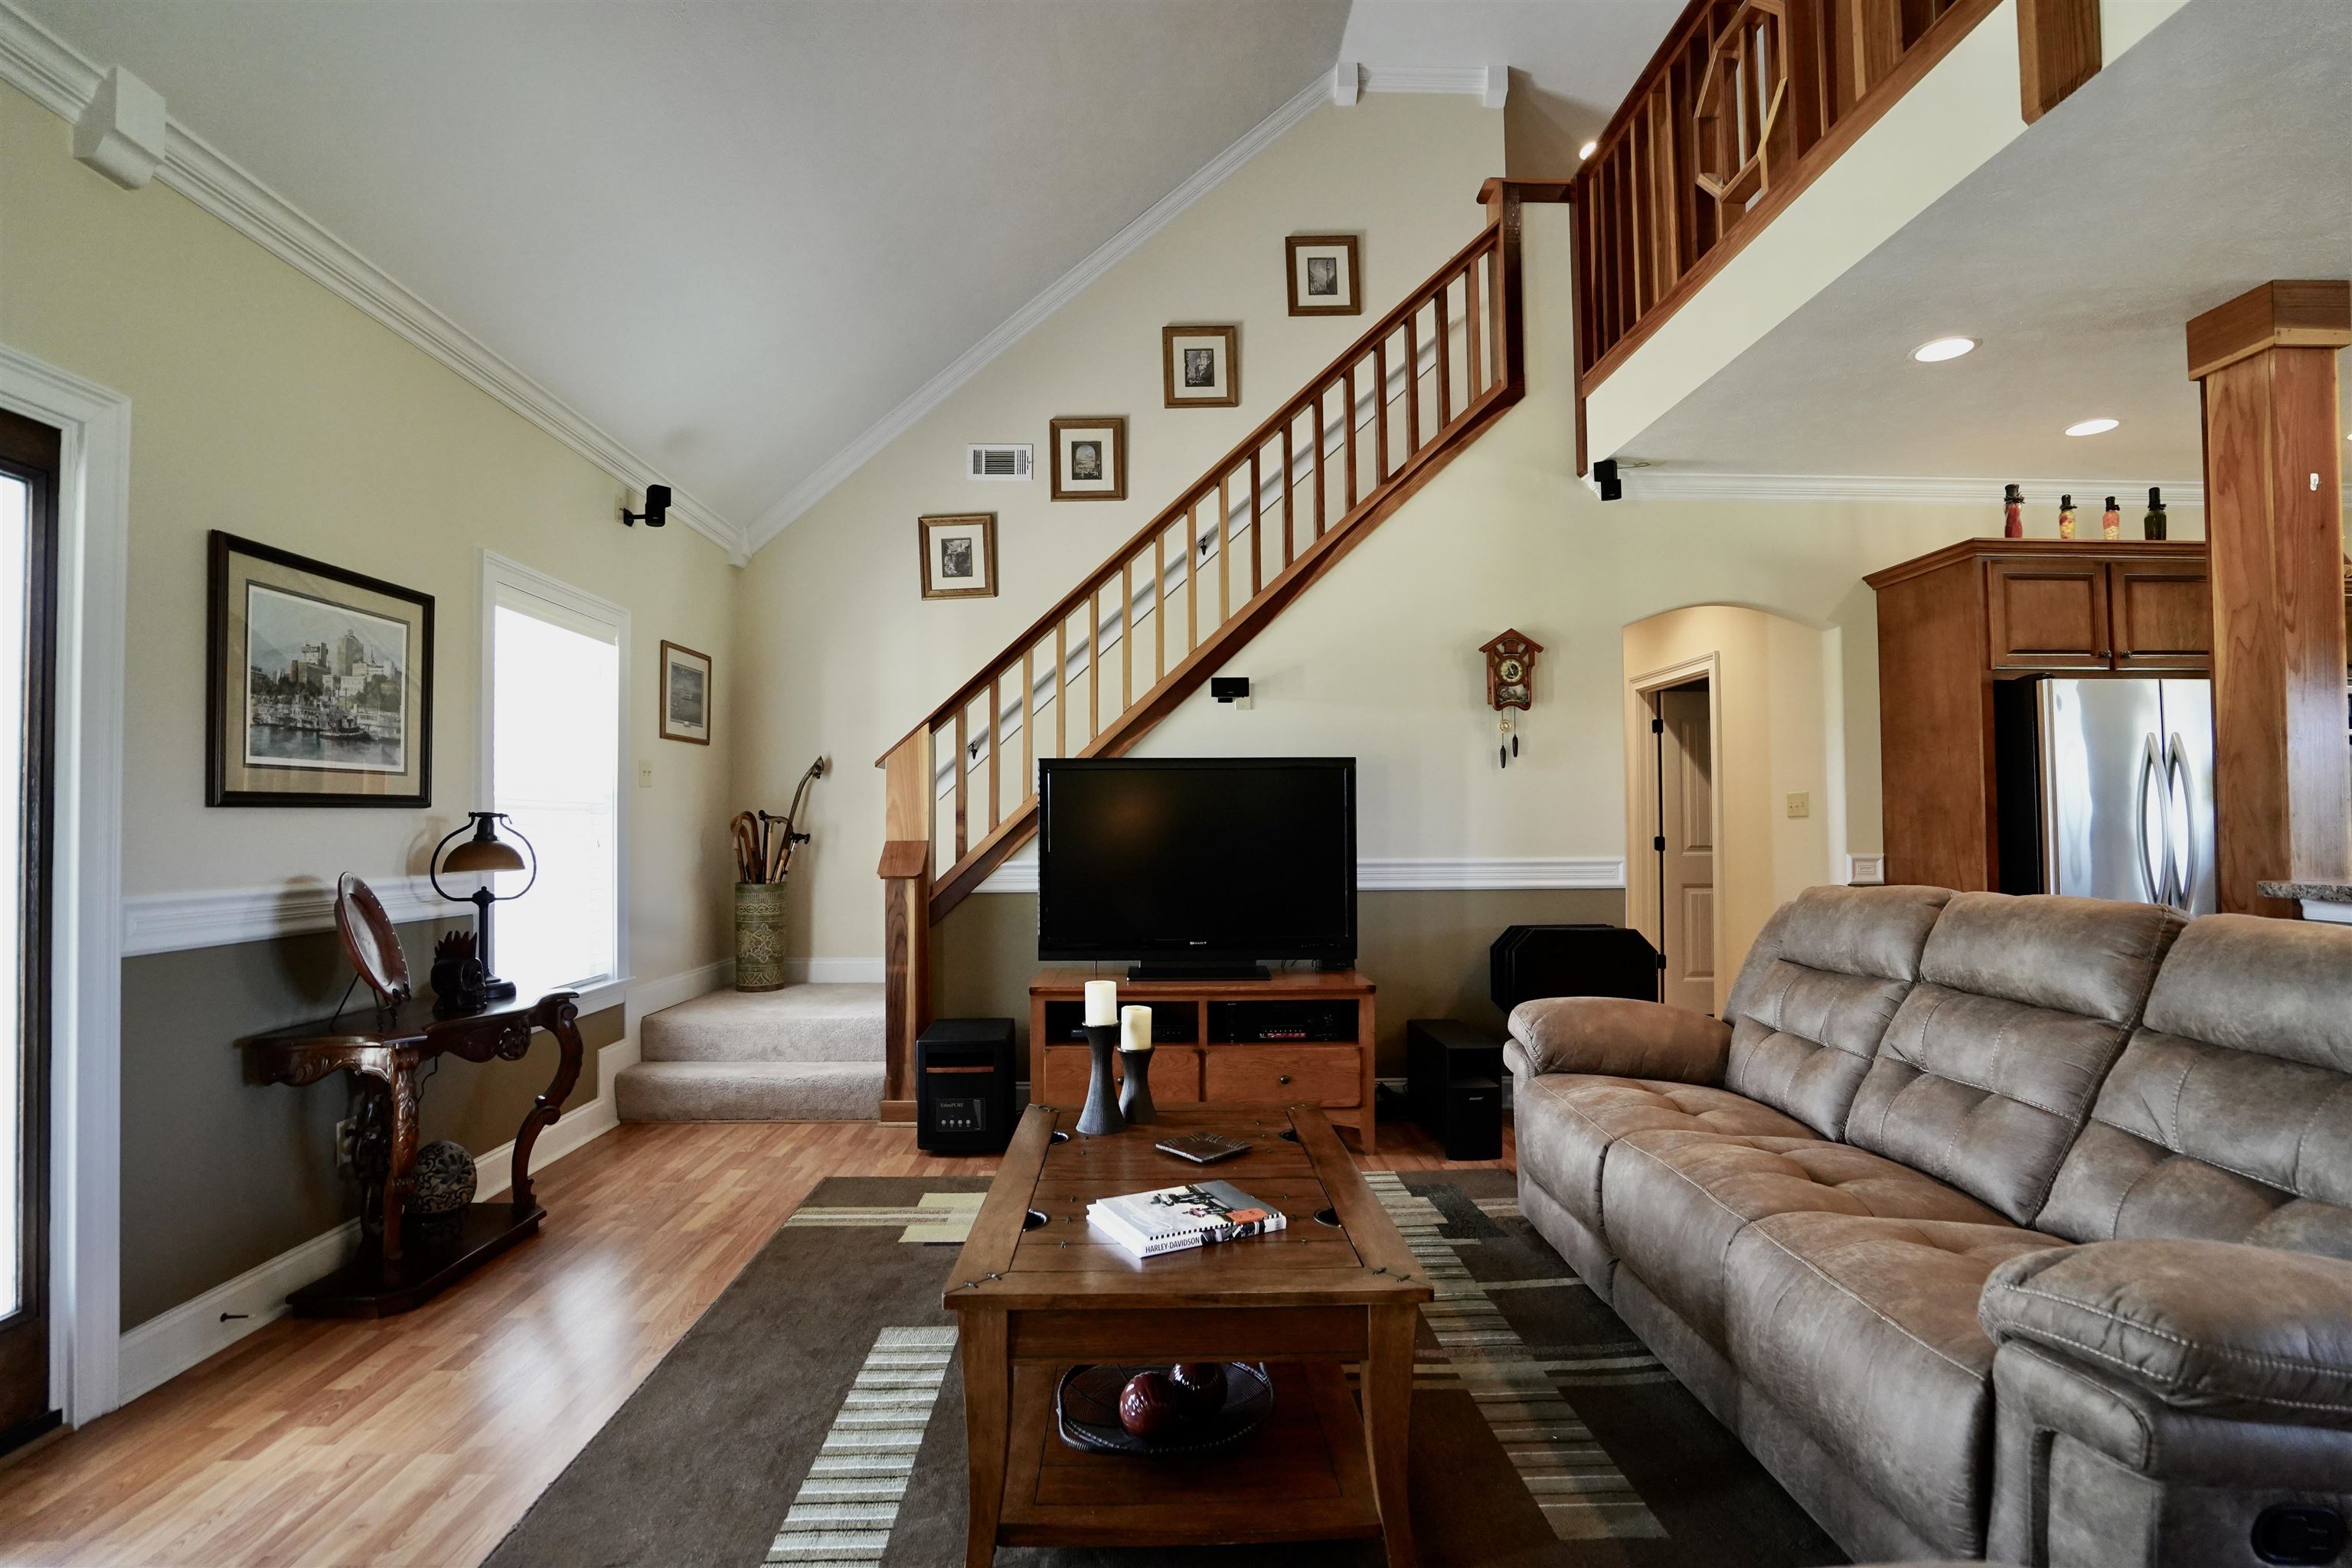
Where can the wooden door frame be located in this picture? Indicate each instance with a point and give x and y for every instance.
(86, 907)
(1642, 785)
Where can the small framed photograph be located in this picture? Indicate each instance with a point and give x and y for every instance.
(685, 694)
(1201, 366)
(1323, 275)
(958, 555)
(318, 683)
(1090, 457)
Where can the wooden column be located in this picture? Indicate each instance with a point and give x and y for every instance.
(906, 872)
(2058, 50)
(2265, 363)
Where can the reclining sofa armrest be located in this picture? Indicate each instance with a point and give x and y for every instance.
(1620, 1039)
(2215, 1327)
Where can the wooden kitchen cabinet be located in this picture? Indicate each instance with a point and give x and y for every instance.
(1953, 623)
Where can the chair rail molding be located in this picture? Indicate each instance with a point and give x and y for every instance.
(56, 76)
(86, 964)
(1433, 875)
(218, 917)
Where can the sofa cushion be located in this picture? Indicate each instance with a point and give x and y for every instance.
(1819, 987)
(1864, 1332)
(1568, 1121)
(1990, 1065)
(1676, 1200)
(2229, 1116)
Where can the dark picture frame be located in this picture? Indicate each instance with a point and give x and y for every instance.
(978, 559)
(673, 728)
(323, 594)
(1066, 436)
(1185, 351)
(1348, 279)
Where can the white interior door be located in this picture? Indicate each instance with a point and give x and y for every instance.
(1686, 861)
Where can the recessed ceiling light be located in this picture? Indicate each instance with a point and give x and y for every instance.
(1587, 150)
(1937, 349)
(2093, 428)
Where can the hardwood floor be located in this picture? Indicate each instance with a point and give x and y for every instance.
(423, 1438)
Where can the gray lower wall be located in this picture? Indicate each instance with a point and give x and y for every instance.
(219, 1174)
(1426, 951)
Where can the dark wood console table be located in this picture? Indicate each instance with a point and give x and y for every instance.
(383, 1051)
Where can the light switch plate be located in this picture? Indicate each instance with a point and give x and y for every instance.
(645, 776)
(1801, 805)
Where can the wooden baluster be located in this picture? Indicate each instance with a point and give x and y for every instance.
(1158, 606)
(995, 747)
(1094, 662)
(1348, 435)
(962, 765)
(1061, 687)
(1381, 411)
(1412, 381)
(1256, 515)
(1028, 717)
(1191, 578)
(1473, 325)
(1287, 460)
(1445, 348)
(1224, 553)
(1321, 393)
(1126, 635)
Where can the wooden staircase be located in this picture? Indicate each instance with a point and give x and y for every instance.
(1183, 595)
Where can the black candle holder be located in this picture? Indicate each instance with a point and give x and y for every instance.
(1135, 1095)
(1101, 1114)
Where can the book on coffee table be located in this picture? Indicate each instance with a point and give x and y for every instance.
(1169, 1219)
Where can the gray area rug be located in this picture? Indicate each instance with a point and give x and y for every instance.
(813, 1415)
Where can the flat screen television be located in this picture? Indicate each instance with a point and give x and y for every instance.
(1191, 865)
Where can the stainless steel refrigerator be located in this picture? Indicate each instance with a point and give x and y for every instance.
(2106, 790)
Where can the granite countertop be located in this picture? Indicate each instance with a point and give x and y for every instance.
(2321, 892)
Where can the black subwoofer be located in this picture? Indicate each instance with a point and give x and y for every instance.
(1453, 1081)
(964, 1086)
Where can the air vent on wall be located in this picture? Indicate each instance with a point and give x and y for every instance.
(1000, 462)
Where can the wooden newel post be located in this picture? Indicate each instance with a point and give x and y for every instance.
(2265, 363)
(906, 872)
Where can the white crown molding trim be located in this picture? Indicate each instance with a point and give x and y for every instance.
(1866, 870)
(1029, 317)
(1488, 84)
(1671, 484)
(58, 78)
(216, 917)
(1019, 875)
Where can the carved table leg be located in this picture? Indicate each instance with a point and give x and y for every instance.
(560, 1017)
(400, 1174)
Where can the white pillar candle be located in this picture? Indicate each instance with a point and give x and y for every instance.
(1102, 1002)
(1134, 1028)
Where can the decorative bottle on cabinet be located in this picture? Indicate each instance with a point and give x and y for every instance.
(2111, 522)
(2153, 526)
(2013, 512)
(2065, 517)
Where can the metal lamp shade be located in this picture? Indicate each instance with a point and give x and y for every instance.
(483, 855)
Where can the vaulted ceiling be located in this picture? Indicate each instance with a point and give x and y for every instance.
(738, 234)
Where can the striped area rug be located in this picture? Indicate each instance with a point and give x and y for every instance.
(813, 1415)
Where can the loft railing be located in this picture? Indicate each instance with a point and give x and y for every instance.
(1745, 103)
(1120, 651)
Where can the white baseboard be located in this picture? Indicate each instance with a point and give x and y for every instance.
(653, 995)
(833, 971)
(493, 1170)
(169, 1343)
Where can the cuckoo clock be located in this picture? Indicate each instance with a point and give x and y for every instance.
(1510, 683)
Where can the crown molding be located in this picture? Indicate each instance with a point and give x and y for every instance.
(1488, 84)
(870, 442)
(1019, 875)
(1674, 484)
(53, 74)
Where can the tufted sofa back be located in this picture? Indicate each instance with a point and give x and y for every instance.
(1820, 986)
(2229, 1116)
(1990, 1065)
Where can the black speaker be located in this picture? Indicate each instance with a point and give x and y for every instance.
(1454, 1083)
(964, 1087)
(1604, 478)
(1529, 962)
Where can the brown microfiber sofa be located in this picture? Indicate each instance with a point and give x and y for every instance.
(2017, 1228)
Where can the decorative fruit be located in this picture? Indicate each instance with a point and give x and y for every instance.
(1149, 1407)
(1201, 1385)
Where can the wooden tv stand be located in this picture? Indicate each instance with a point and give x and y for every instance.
(1196, 1053)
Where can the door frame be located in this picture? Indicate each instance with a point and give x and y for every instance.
(86, 912)
(1641, 786)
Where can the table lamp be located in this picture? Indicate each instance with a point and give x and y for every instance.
(483, 854)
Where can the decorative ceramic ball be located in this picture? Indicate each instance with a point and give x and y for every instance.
(445, 1180)
(1149, 1407)
(1201, 1384)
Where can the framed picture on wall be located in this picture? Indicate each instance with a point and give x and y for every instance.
(1201, 367)
(685, 694)
(958, 555)
(319, 683)
(1090, 457)
(1323, 275)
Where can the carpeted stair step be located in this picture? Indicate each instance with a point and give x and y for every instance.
(815, 1023)
(749, 1091)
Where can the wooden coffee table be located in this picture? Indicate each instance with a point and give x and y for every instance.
(1033, 1298)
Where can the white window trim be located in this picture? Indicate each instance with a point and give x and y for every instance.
(501, 572)
(85, 919)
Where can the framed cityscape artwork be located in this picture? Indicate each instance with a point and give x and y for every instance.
(318, 685)
(685, 694)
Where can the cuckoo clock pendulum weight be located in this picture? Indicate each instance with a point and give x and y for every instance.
(1511, 684)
